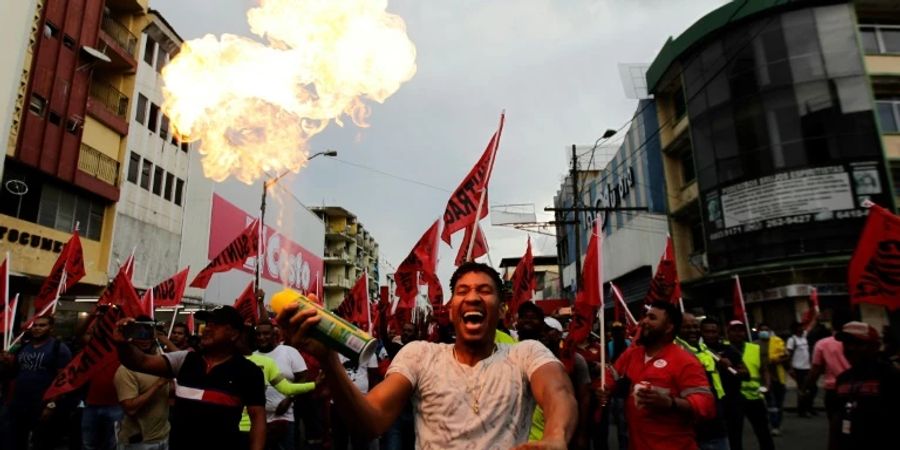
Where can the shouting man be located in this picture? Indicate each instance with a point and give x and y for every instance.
(472, 393)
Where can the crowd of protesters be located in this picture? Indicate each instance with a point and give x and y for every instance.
(467, 379)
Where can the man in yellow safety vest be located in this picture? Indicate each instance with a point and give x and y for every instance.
(752, 402)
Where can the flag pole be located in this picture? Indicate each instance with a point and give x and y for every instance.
(11, 321)
(22, 333)
(598, 230)
(484, 191)
(7, 328)
(172, 325)
(618, 294)
(737, 279)
(368, 303)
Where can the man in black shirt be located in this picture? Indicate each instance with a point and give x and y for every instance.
(212, 386)
(868, 393)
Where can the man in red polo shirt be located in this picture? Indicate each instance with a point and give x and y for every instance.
(668, 389)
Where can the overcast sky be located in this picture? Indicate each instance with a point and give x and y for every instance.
(551, 64)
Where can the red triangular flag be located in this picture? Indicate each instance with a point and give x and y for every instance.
(523, 280)
(590, 273)
(874, 268)
(244, 246)
(463, 204)
(8, 316)
(169, 293)
(355, 306)
(128, 267)
(479, 248)
(246, 304)
(665, 285)
(422, 258)
(147, 306)
(70, 260)
(435, 290)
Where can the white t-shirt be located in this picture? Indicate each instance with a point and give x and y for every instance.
(800, 347)
(289, 362)
(359, 375)
(445, 392)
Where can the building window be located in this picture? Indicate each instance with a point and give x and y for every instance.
(140, 113)
(678, 103)
(164, 127)
(158, 180)
(146, 170)
(879, 39)
(687, 166)
(134, 165)
(170, 180)
(697, 242)
(37, 105)
(179, 188)
(62, 209)
(149, 50)
(54, 118)
(154, 117)
(161, 59)
(889, 115)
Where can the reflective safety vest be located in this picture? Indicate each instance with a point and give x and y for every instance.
(753, 361)
(708, 362)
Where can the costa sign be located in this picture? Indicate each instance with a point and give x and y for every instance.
(282, 260)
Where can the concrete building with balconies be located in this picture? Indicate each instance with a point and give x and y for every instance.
(350, 250)
(67, 139)
(151, 205)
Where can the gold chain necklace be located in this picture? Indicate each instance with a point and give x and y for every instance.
(476, 395)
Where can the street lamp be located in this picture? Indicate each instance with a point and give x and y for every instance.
(262, 204)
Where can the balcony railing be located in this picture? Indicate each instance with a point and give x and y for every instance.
(93, 162)
(120, 34)
(114, 101)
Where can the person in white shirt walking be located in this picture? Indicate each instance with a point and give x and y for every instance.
(279, 409)
(798, 354)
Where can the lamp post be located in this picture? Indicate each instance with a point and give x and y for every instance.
(262, 213)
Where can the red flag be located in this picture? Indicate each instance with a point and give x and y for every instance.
(5, 313)
(523, 280)
(128, 267)
(422, 258)
(147, 306)
(463, 204)
(479, 248)
(190, 324)
(874, 271)
(812, 312)
(355, 306)
(246, 304)
(71, 260)
(233, 256)
(582, 319)
(168, 293)
(435, 290)
(590, 288)
(665, 285)
(8, 318)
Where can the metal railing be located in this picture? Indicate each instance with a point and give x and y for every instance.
(93, 162)
(115, 101)
(120, 34)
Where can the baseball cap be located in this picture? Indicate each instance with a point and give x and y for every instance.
(859, 331)
(553, 323)
(225, 315)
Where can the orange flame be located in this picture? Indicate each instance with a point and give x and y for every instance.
(254, 107)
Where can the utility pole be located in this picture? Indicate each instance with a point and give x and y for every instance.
(575, 202)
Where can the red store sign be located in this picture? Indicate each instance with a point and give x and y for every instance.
(284, 261)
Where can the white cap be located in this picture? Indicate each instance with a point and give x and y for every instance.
(553, 323)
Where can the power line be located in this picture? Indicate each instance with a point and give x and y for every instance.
(388, 174)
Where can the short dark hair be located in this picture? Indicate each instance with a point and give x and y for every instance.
(529, 306)
(673, 313)
(181, 325)
(472, 266)
(265, 322)
(709, 321)
(49, 318)
(143, 318)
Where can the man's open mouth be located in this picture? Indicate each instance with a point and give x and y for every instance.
(473, 317)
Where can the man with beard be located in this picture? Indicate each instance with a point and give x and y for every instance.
(669, 390)
(472, 393)
(711, 434)
(213, 384)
